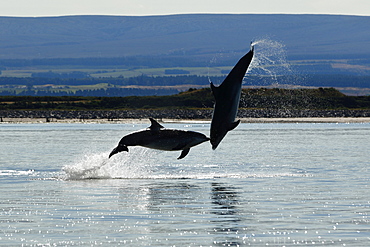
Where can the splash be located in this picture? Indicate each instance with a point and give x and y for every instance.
(17, 172)
(270, 59)
(98, 166)
(269, 65)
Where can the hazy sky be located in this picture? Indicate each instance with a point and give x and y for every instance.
(165, 7)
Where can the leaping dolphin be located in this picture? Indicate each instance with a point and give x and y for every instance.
(158, 137)
(227, 97)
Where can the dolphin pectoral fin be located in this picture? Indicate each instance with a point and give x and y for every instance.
(233, 125)
(155, 126)
(184, 153)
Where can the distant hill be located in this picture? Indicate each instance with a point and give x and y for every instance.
(195, 35)
(287, 99)
(58, 55)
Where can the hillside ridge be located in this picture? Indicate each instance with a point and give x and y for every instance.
(180, 35)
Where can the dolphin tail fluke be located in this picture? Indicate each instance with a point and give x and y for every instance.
(234, 125)
(184, 153)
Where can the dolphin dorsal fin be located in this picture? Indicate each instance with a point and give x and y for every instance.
(155, 126)
(215, 90)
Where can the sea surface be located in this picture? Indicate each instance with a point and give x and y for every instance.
(276, 184)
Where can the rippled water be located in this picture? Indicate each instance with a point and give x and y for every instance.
(266, 184)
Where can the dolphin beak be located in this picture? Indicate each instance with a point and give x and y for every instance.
(114, 151)
(118, 149)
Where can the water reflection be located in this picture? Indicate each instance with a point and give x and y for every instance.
(165, 193)
(175, 212)
(227, 225)
(165, 211)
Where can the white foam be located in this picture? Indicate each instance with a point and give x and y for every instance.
(99, 166)
(222, 175)
(16, 172)
(143, 163)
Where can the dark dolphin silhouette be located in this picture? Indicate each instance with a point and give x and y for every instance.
(158, 137)
(227, 97)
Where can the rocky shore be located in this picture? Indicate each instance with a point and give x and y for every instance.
(247, 115)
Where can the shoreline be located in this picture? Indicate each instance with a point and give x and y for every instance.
(198, 121)
(184, 116)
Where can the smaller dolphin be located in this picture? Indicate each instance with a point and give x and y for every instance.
(157, 137)
(227, 97)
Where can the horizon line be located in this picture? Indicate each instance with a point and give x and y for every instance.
(174, 14)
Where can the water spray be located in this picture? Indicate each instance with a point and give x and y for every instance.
(270, 60)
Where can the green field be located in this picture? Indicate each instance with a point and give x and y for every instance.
(117, 72)
(101, 77)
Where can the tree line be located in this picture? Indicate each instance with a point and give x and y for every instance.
(321, 98)
(318, 80)
(101, 92)
(142, 80)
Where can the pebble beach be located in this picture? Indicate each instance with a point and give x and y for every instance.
(183, 115)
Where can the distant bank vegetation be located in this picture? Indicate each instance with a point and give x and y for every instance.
(153, 85)
(321, 98)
